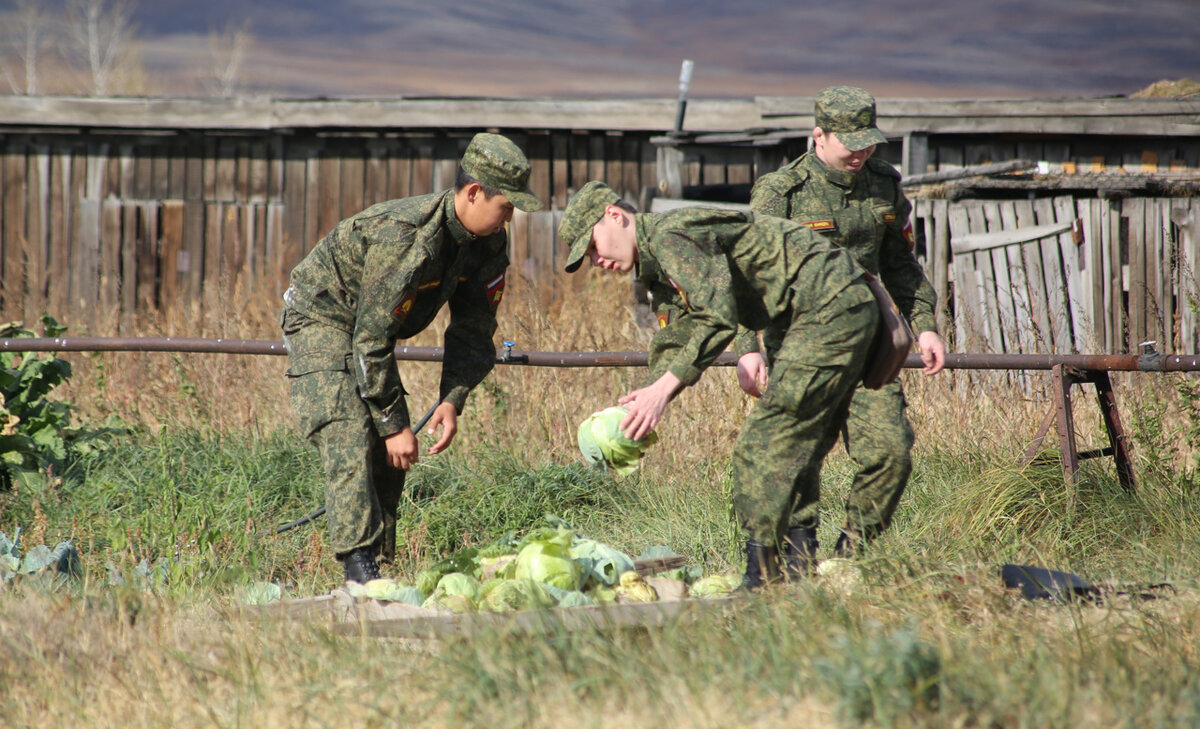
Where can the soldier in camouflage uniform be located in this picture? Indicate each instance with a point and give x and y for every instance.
(383, 275)
(733, 269)
(854, 201)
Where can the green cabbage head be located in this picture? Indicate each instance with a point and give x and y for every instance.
(549, 561)
(601, 441)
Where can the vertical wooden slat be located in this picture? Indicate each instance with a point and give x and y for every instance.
(447, 152)
(1022, 300)
(110, 257)
(989, 307)
(969, 320)
(1031, 255)
(1055, 281)
(37, 223)
(225, 182)
(275, 162)
(12, 284)
(1064, 210)
(631, 167)
(58, 254)
(160, 170)
(560, 169)
(375, 173)
(175, 221)
(612, 164)
(1093, 273)
(537, 149)
(421, 180)
(939, 255)
(353, 180)
(1133, 210)
(276, 272)
(518, 245)
(596, 156)
(233, 246)
(258, 172)
(580, 147)
(399, 171)
(293, 241)
(312, 200)
(130, 248)
(329, 188)
(213, 246)
(148, 252)
(1160, 223)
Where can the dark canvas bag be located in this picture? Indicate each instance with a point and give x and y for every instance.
(892, 342)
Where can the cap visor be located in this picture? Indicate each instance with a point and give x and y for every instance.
(523, 201)
(855, 141)
(578, 251)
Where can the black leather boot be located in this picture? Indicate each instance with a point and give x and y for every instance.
(360, 565)
(761, 566)
(799, 553)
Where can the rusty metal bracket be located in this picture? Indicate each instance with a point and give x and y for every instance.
(1062, 414)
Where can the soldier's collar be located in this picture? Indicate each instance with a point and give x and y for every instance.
(458, 232)
(840, 178)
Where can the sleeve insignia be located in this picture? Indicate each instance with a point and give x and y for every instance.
(907, 232)
(663, 320)
(495, 290)
(405, 305)
(820, 225)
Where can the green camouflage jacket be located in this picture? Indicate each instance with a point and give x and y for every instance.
(734, 268)
(383, 275)
(865, 212)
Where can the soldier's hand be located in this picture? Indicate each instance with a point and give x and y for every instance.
(446, 415)
(752, 373)
(402, 449)
(933, 352)
(646, 406)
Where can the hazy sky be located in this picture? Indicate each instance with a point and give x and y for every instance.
(581, 48)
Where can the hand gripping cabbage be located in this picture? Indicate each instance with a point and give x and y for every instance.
(601, 441)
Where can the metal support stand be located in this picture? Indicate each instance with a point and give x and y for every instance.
(1063, 416)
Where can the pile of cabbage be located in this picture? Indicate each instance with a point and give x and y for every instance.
(602, 443)
(549, 567)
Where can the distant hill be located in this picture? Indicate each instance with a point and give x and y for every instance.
(574, 48)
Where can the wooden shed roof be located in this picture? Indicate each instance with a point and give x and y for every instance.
(763, 119)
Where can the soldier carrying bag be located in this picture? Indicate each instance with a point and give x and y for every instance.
(893, 340)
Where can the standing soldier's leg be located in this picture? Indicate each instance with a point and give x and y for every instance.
(879, 441)
(324, 397)
(389, 485)
(778, 455)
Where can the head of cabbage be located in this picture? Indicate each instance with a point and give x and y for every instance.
(602, 441)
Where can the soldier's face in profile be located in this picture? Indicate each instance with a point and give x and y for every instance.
(483, 215)
(614, 245)
(832, 152)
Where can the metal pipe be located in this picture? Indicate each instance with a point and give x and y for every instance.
(1153, 362)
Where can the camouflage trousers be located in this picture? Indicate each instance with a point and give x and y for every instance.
(362, 491)
(816, 366)
(879, 440)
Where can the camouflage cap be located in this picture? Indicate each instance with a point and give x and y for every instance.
(584, 211)
(497, 162)
(848, 112)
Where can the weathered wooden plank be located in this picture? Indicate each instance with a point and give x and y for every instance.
(131, 230)
(87, 293)
(160, 170)
(1188, 219)
(597, 149)
(447, 153)
(1023, 309)
(518, 246)
(187, 260)
(174, 232)
(421, 180)
(12, 230)
(1031, 260)
(399, 172)
(214, 228)
(581, 144)
(1133, 210)
(292, 244)
(374, 173)
(1054, 280)
(275, 161)
(560, 170)
(37, 223)
(125, 176)
(938, 240)
(1007, 236)
(1092, 274)
(329, 185)
(353, 174)
(230, 175)
(276, 271)
(257, 172)
(969, 320)
(148, 254)
(1115, 231)
(1003, 292)
(177, 171)
(1160, 224)
(541, 243)
(1064, 211)
(233, 247)
(58, 255)
(612, 165)
(110, 259)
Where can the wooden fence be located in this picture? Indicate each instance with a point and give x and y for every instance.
(127, 223)
(1065, 274)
